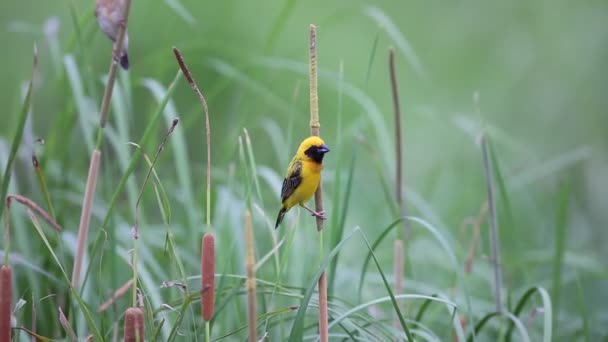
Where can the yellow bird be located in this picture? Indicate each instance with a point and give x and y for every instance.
(303, 177)
(110, 15)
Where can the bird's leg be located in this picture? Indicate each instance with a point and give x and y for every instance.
(115, 54)
(320, 214)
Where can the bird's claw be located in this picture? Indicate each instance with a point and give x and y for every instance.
(319, 214)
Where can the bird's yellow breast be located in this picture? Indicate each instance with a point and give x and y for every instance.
(311, 176)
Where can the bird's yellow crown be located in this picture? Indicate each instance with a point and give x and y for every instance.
(312, 141)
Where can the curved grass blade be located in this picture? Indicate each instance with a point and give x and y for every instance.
(297, 329)
(390, 292)
(371, 250)
(548, 312)
(423, 308)
(512, 318)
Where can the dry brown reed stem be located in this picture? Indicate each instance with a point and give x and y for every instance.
(66, 326)
(35, 208)
(134, 325)
(208, 276)
(182, 65)
(85, 217)
(398, 265)
(315, 125)
(250, 266)
(6, 298)
(117, 294)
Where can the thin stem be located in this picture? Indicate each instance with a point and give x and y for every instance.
(494, 240)
(107, 94)
(314, 130)
(7, 231)
(398, 141)
(192, 82)
(161, 147)
(251, 285)
(85, 217)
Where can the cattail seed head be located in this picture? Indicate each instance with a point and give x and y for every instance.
(6, 295)
(134, 325)
(208, 276)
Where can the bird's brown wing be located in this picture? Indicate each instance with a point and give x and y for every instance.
(293, 179)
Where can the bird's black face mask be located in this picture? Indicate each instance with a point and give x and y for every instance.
(316, 153)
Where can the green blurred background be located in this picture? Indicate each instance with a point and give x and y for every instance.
(538, 67)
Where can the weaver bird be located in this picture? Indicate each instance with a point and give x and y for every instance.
(110, 16)
(303, 177)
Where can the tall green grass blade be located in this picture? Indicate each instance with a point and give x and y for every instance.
(180, 151)
(43, 186)
(389, 290)
(502, 188)
(338, 230)
(21, 118)
(279, 26)
(370, 63)
(297, 330)
(181, 11)
(561, 221)
(385, 22)
(423, 308)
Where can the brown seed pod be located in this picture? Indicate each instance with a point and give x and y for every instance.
(6, 295)
(134, 325)
(208, 276)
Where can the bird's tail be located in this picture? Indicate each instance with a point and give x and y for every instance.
(280, 217)
(124, 61)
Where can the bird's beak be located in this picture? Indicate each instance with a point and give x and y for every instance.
(323, 148)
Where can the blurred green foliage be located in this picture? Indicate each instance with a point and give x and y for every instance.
(539, 68)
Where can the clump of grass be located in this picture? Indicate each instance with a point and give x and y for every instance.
(134, 325)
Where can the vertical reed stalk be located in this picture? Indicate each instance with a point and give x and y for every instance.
(6, 297)
(494, 239)
(315, 126)
(398, 254)
(85, 217)
(134, 325)
(208, 243)
(250, 266)
(87, 202)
